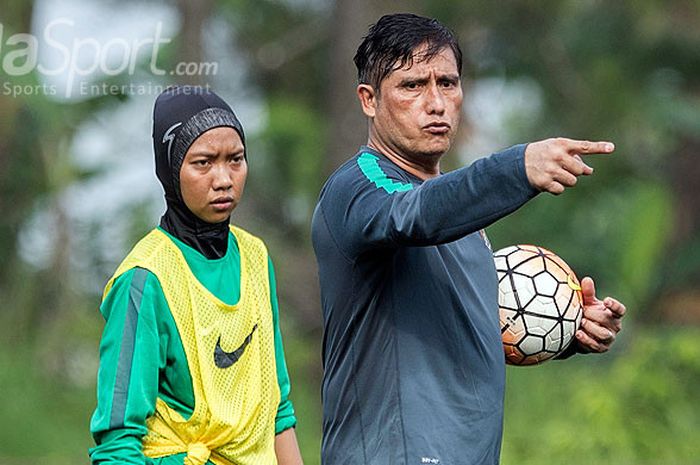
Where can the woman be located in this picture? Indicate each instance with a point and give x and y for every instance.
(192, 369)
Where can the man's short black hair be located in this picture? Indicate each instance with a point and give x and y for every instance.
(394, 38)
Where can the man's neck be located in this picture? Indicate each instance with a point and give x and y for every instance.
(424, 171)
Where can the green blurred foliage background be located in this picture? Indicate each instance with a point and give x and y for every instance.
(626, 71)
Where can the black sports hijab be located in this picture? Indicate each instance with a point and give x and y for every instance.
(180, 115)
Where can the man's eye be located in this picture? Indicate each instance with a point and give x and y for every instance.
(411, 85)
(201, 162)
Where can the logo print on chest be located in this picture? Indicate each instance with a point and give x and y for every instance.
(223, 359)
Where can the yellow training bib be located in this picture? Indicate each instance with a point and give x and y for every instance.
(231, 357)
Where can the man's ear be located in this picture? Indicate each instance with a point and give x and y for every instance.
(368, 99)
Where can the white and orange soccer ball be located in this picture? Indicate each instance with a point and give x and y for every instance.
(540, 303)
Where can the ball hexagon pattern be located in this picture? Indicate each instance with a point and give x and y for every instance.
(540, 303)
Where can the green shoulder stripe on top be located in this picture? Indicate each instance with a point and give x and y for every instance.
(370, 168)
(126, 351)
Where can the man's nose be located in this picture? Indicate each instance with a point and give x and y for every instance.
(435, 101)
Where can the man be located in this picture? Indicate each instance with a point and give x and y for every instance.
(413, 361)
(192, 369)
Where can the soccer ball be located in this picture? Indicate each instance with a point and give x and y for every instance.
(540, 303)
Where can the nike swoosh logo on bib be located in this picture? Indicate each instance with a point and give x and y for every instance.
(223, 359)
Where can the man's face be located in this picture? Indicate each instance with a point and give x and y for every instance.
(213, 174)
(418, 107)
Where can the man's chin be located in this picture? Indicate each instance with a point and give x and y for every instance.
(435, 150)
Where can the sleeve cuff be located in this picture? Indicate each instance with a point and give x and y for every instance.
(520, 171)
(285, 418)
(283, 424)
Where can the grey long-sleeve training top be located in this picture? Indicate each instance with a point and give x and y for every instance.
(413, 363)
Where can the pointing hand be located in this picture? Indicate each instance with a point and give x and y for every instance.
(552, 165)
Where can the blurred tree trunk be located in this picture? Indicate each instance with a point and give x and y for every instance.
(30, 169)
(16, 158)
(685, 172)
(194, 14)
(348, 125)
(681, 305)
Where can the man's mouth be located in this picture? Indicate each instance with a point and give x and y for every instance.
(437, 128)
